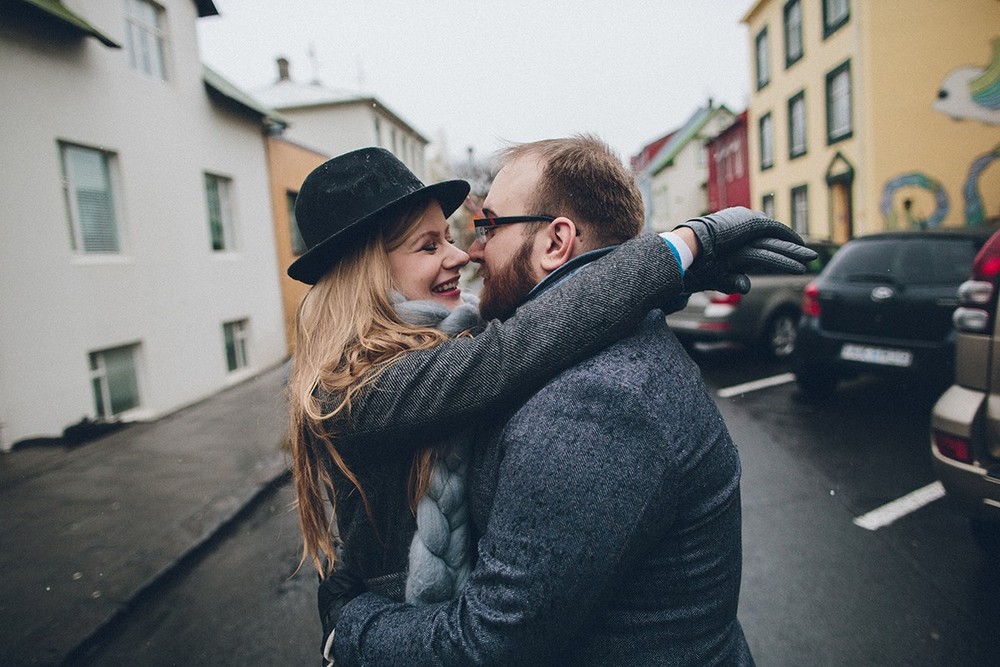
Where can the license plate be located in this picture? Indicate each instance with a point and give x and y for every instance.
(877, 355)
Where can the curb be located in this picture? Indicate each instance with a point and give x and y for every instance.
(273, 474)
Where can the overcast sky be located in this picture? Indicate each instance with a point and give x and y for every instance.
(488, 71)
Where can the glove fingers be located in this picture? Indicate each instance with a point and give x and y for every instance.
(759, 260)
(787, 248)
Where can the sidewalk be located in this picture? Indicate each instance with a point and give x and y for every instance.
(84, 531)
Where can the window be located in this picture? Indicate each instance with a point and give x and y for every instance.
(838, 104)
(298, 245)
(835, 14)
(113, 379)
(145, 38)
(89, 190)
(220, 214)
(767, 205)
(800, 209)
(235, 335)
(763, 64)
(378, 131)
(766, 141)
(736, 156)
(797, 125)
(793, 32)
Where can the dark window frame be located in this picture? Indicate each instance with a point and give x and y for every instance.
(830, 77)
(830, 28)
(761, 36)
(766, 118)
(799, 96)
(789, 60)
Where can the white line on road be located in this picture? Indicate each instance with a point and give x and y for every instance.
(900, 507)
(728, 392)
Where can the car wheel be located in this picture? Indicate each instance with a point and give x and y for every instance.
(987, 534)
(779, 335)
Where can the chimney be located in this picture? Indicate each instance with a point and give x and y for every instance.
(283, 70)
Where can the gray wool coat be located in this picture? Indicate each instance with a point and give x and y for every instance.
(607, 497)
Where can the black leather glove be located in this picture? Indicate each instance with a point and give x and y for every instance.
(335, 591)
(736, 241)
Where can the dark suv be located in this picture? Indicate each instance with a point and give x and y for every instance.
(965, 422)
(883, 305)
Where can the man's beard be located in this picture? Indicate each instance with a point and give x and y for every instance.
(505, 288)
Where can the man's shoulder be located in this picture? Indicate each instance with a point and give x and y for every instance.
(650, 356)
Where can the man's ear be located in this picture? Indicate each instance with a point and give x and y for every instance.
(560, 243)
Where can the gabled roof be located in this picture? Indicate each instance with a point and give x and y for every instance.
(682, 137)
(222, 88)
(287, 95)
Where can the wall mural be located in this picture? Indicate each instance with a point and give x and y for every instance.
(975, 213)
(967, 93)
(911, 218)
(973, 93)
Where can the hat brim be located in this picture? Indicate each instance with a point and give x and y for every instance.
(319, 259)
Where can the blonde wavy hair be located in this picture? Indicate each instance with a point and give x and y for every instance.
(346, 333)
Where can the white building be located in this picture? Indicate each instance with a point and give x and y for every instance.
(334, 121)
(137, 261)
(672, 172)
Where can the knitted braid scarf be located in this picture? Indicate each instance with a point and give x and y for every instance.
(439, 552)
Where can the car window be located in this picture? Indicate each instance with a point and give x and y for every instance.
(924, 261)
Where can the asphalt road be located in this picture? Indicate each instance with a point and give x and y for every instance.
(817, 589)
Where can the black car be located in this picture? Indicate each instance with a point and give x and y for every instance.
(884, 305)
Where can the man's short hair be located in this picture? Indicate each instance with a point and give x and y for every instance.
(585, 180)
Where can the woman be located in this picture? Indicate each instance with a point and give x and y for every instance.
(385, 284)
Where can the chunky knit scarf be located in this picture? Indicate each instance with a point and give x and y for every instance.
(439, 553)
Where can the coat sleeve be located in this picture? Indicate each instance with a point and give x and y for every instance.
(575, 490)
(428, 393)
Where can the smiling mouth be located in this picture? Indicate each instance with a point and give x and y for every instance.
(446, 287)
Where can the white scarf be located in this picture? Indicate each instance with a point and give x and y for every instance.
(439, 552)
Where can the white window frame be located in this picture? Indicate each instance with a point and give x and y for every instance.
(236, 335)
(767, 205)
(800, 209)
(226, 241)
(91, 237)
(146, 38)
(101, 384)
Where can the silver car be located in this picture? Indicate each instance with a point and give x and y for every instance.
(965, 422)
(765, 318)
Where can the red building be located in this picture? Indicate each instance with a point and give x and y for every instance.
(729, 167)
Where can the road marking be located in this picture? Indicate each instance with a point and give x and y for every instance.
(897, 509)
(729, 392)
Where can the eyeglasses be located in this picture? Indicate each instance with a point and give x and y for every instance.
(486, 225)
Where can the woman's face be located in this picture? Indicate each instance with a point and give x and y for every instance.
(426, 264)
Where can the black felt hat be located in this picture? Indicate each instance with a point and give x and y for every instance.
(349, 195)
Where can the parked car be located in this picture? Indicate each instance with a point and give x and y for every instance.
(883, 305)
(965, 422)
(766, 317)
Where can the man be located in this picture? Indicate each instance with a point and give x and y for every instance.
(608, 503)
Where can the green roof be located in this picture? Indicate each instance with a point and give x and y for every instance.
(683, 136)
(218, 84)
(55, 9)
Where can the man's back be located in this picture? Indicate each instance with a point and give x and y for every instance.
(610, 513)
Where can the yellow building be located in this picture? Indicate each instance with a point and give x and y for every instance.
(869, 115)
(289, 164)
